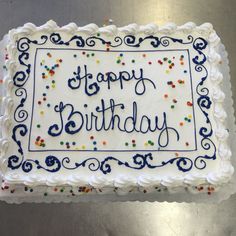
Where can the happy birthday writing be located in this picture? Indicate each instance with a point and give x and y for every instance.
(106, 115)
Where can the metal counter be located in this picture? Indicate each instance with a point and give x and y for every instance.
(132, 219)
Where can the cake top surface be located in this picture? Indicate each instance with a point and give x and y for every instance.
(113, 106)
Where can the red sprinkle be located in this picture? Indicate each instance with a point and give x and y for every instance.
(189, 104)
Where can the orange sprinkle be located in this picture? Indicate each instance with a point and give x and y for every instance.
(181, 123)
(166, 96)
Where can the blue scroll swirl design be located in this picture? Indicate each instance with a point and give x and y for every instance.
(93, 164)
(133, 41)
(204, 103)
(140, 161)
(20, 115)
(14, 161)
(23, 46)
(52, 163)
(55, 38)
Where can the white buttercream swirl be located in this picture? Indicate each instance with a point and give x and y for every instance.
(188, 27)
(130, 29)
(110, 30)
(174, 181)
(99, 182)
(149, 29)
(218, 95)
(169, 28)
(219, 113)
(89, 29)
(216, 76)
(148, 181)
(124, 182)
(71, 28)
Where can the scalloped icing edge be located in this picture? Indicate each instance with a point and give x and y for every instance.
(215, 178)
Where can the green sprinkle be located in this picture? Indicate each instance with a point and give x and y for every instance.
(152, 144)
(186, 119)
(45, 194)
(133, 61)
(92, 54)
(53, 81)
(118, 61)
(169, 61)
(98, 34)
(172, 106)
(149, 141)
(38, 126)
(87, 55)
(126, 144)
(61, 142)
(62, 190)
(134, 145)
(75, 55)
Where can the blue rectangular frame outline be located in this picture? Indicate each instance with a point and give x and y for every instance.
(136, 150)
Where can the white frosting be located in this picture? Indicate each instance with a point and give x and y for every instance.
(223, 173)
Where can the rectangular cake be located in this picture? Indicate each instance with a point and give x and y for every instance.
(136, 109)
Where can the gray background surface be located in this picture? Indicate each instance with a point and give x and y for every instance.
(138, 219)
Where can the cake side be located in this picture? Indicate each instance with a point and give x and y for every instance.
(218, 175)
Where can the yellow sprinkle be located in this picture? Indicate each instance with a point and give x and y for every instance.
(41, 112)
(53, 86)
(77, 148)
(97, 61)
(145, 144)
(167, 71)
(189, 116)
(83, 147)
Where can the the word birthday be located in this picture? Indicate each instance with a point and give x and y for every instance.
(106, 117)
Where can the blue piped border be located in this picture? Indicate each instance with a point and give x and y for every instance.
(137, 161)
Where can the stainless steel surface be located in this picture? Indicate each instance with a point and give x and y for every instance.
(138, 219)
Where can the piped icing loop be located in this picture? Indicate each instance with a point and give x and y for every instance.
(205, 28)
(219, 113)
(89, 29)
(218, 95)
(224, 152)
(149, 29)
(76, 180)
(130, 29)
(49, 27)
(28, 28)
(148, 181)
(71, 28)
(174, 181)
(194, 179)
(168, 28)
(124, 182)
(216, 76)
(99, 182)
(109, 30)
(188, 27)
